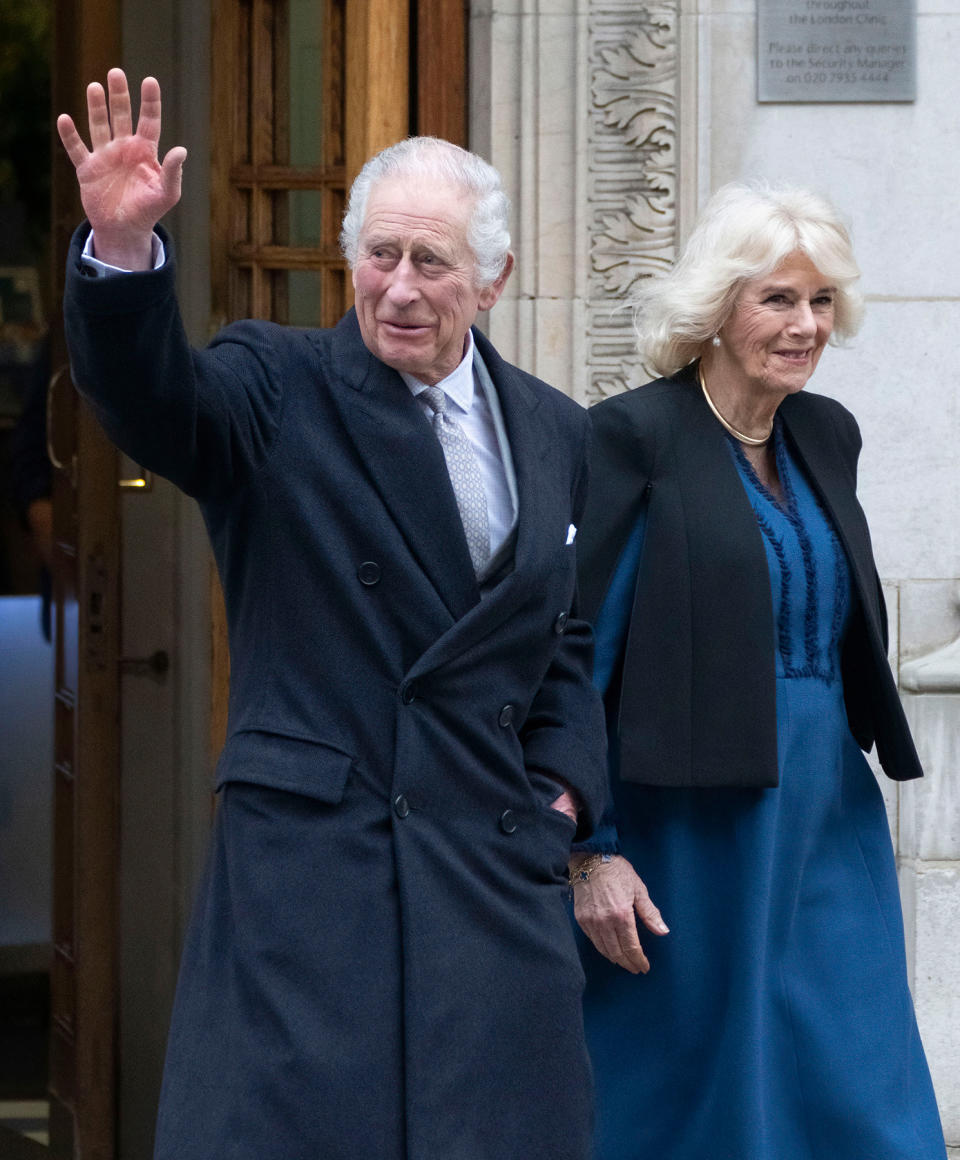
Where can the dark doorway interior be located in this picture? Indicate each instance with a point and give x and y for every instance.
(26, 659)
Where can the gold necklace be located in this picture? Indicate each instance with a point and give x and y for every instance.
(739, 435)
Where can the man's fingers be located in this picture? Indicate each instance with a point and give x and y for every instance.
(565, 805)
(148, 124)
(72, 141)
(121, 118)
(172, 170)
(97, 116)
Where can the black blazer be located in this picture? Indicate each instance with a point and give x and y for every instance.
(697, 699)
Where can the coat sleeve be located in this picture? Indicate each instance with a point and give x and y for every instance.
(563, 736)
(203, 419)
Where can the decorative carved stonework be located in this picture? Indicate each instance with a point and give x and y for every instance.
(632, 177)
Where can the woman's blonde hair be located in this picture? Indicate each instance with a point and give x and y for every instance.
(745, 231)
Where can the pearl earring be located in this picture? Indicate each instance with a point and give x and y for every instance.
(715, 340)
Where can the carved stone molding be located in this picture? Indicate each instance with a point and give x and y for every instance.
(632, 176)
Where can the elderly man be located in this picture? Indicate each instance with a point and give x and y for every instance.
(380, 964)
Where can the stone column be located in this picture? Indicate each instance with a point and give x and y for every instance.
(578, 105)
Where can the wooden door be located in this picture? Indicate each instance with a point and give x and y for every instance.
(86, 736)
(304, 91)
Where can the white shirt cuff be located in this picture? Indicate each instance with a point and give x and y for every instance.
(96, 269)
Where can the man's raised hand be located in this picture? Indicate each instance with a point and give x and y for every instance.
(124, 188)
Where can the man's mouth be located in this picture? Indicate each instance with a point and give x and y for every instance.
(407, 327)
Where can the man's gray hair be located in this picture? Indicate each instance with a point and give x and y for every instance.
(745, 231)
(417, 157)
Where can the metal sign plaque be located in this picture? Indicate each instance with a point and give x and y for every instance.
(836, 50)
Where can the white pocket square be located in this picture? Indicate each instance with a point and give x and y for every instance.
(571, 534)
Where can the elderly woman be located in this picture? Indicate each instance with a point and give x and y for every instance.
(741, 648)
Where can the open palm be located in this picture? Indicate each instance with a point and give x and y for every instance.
(124, 188)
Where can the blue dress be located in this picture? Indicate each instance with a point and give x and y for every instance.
(775, 1022)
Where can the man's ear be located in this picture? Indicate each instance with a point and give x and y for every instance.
(490, 294)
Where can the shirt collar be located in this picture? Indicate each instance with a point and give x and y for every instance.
(457, 386)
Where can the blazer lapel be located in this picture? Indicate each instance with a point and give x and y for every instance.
(405, 462)
(724, 542)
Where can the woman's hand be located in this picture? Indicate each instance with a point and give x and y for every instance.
(607, 906)
(124, 188)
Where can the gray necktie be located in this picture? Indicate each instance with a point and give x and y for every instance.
(464, 471)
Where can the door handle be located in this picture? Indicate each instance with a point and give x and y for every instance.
(142, 482)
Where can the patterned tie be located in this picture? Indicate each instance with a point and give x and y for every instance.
(464, 476)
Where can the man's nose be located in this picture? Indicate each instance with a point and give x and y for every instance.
(404, 283)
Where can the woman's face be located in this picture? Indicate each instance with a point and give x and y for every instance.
(778, 327)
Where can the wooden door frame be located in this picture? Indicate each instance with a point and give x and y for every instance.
(84, 976)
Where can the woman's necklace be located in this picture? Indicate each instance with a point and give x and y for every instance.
(748, 439)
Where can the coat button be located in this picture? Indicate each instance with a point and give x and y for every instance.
(369, 572)
(401, 807)
(506, 716)
(508, 821)
(408, 693)
(560, 624)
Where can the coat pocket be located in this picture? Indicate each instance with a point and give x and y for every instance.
(314, 768)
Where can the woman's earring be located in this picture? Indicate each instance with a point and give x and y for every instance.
(715, 340)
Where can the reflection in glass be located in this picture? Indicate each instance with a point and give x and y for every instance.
(297, 217)
(296, 296)
(298, 116)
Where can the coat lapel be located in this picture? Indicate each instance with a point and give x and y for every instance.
(529, 446)
(538, 520)
(405, 461)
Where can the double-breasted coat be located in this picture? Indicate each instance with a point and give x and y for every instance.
(380, 963)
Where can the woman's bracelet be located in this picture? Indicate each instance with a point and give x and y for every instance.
(582, 871)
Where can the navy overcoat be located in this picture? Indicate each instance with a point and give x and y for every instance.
(380, 964)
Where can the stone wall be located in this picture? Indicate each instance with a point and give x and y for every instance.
(612, 122)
